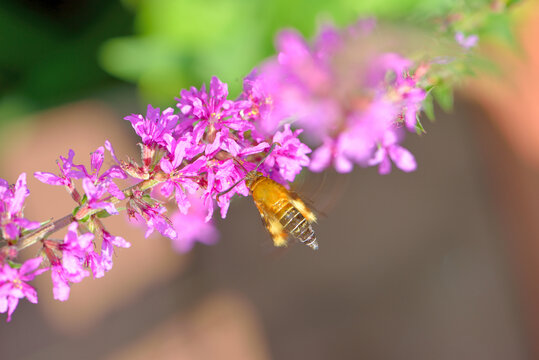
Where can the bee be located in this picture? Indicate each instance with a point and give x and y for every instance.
(283, 212)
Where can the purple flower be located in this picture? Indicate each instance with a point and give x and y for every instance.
(389, 150)
(192, 227)
(249, 150)
(301, 63)
(76, 249)
(201, 105)
(259, 105)
(68, 171)
(357, 142)
(298, 85)
(345, 100)
(96, 185)
(107, 248)
(328, 41)
(156, 220)
(13, 286)
(290, 157)
(94, 194)
(362, 27)
(96, 162)
(330, 152)
(153, 215)
(181, 179)
(95, 262)
(211, 110)
(223, 141)
(60, 282)
(412, 100)
(11, 208)
(220, 176)
(154, 126)
(381, 64)
(182, 148)
(467, 42)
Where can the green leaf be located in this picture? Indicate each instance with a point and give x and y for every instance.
(13, 264)
(85, 219)
(444, 96)
(419, 129)
(75, 210)
(499, 26)
(428, 107)
(103, 214)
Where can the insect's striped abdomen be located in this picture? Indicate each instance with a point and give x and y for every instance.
(295, 224)
(283, 214)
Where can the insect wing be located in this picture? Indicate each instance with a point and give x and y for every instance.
(273, 225)
(296, 201)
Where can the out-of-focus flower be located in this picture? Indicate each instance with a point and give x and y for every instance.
(467, 42)
(13, 285)
(390, 150)
(192, 227)
(344, 111)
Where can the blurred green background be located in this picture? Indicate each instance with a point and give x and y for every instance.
(59, 51)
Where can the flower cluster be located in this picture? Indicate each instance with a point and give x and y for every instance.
(13, 225)
(189, 155)
(204, 148)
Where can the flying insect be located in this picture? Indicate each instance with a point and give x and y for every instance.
(283, 212)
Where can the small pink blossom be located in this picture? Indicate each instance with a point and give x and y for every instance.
(467, 42)
(182, 180)
(211, 110)
(290, 157)
(153, 215)
(12, 199)
(389, 150)
(68, 171)
(71, 268)
(13, 286)
(222, 175)
(96, 162)
(107, 248)
(154, 125)
(192, 227)
(94, 193)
